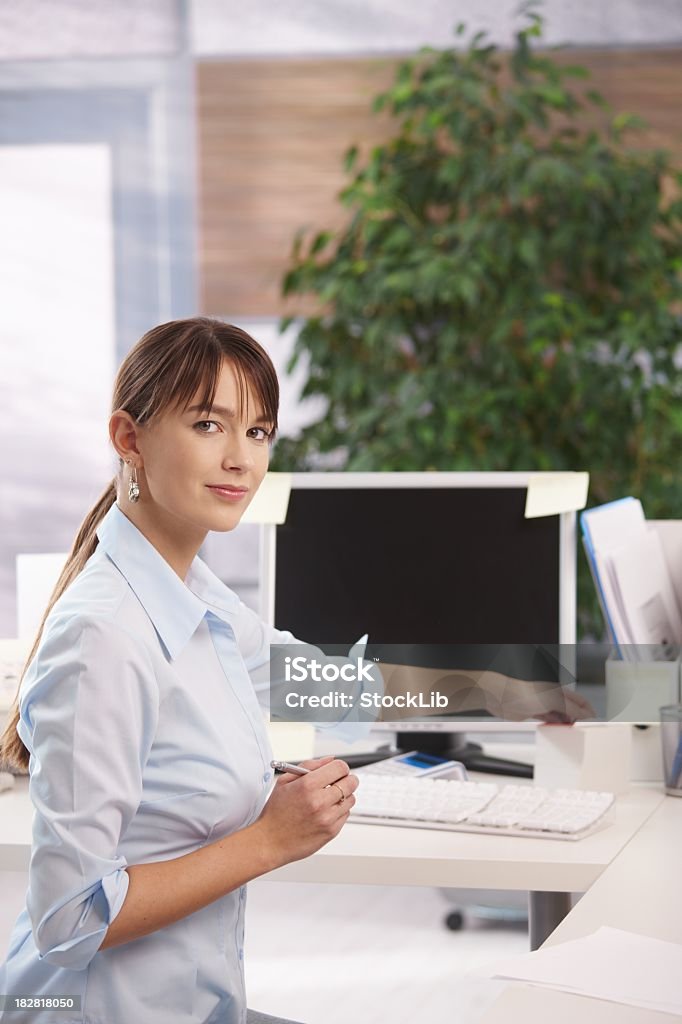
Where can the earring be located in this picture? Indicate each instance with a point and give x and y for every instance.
(133, 487)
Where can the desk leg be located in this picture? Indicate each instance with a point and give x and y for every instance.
(546, 910)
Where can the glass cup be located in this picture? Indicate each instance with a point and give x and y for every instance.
(671, 743)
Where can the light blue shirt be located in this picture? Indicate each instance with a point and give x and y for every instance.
(146, 742)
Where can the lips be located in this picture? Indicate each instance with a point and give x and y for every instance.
(227, 488)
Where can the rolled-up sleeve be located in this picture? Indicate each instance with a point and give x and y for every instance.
(88, 715)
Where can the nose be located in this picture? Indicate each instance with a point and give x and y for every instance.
(238, 457)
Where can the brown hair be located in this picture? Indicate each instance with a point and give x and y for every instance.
(163, 371)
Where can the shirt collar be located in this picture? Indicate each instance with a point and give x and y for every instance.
(175, 608)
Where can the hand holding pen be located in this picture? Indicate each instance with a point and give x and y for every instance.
(287, 766)
(308, 807)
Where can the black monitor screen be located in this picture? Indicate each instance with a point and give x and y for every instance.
(415, 566)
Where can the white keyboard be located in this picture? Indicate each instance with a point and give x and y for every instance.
(510, 810)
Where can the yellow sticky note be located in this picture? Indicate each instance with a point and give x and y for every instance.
(271, 500)
(552, 493)
(291, 741)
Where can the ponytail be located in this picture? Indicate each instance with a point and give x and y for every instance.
(13, 754)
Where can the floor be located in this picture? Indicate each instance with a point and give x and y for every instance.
(325, 954)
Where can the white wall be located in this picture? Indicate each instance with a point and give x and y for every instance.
(286, 27)
(56, 346)
(36, 29)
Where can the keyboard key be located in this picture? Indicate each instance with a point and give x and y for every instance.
(479, 807)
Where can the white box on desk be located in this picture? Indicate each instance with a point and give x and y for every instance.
(647, 757)
(635, 690)
(636, 696)
(588, 755)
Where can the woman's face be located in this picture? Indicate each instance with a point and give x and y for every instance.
(201, 468)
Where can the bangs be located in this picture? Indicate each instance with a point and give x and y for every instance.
(197, 374)
(200, 383)
(178, 364)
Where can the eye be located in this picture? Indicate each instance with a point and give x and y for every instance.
(203, 427)
(264, 434)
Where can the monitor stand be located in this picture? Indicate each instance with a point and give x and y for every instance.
(454, 746)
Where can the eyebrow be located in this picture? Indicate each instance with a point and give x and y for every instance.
(221, 410)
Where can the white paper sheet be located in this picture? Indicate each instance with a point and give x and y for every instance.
(646, 592)
(609, 964)
(614, 524)
(637, 592)
(616, 613)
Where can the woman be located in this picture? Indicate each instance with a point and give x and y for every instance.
(148, 758)
(137, 719)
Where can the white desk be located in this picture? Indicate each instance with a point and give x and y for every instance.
(550, 869)
(639, 892)
(387, 855)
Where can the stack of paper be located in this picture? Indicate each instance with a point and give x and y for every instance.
(633, 581)
(610, 964)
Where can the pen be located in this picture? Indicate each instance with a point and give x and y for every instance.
(284, 766)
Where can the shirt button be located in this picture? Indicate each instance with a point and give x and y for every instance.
(267, 776)
(241, 954)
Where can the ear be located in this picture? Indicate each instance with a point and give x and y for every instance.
(125, 433)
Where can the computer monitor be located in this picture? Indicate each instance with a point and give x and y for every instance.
(444, 563)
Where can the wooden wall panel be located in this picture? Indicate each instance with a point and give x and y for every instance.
(643, 82)
(272, 134)
(271, 139)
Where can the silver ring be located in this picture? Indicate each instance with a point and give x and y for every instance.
(343, 795)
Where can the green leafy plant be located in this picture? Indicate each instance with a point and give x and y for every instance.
(506, 293)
